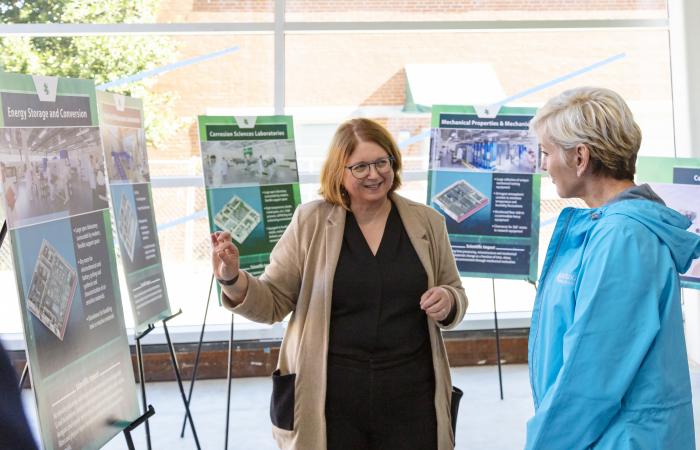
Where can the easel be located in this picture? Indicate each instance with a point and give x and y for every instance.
(136, 423)
(228, 371)
(127, 431)
(498, 337)
(176, 368)
(496, 329)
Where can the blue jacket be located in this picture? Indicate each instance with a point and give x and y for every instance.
(608, 363)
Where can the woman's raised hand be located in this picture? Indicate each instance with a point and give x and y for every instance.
(225, 258)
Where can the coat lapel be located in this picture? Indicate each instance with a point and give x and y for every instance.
(417, 232)
(335, 226)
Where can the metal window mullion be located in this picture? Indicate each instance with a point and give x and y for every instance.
(477, 25)
(280, 26)
(87, 29)
(279, 56)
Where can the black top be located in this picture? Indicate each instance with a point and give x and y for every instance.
(375, 312)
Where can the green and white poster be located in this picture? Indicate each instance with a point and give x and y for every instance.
(677, 182)
(252, 181)
(124, 144)
(482, 178)
(57, 212)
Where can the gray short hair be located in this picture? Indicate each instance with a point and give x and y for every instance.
(598, 118)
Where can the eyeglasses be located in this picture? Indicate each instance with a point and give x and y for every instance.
(361, 169)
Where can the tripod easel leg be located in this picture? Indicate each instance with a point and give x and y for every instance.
(228, 379)
(142, 382)
(498, 338)
(196, 358)
(179, 378)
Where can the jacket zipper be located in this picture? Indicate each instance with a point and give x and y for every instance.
(542, 286)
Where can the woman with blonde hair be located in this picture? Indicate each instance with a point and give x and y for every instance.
(369, 279)
(607, 356)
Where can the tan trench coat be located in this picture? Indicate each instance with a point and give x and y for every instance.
(299, 279)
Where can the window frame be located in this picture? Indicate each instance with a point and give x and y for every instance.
(280, 27)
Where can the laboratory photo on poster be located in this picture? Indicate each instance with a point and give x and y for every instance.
(51, 173)
(492, 150)
(228, 163)
(125, 154)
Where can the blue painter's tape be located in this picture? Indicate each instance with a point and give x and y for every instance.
(532, 90)
(561, 79)
(181, 220)
(414, 139)
(167, 68)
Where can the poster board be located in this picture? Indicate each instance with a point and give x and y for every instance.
(482, 178)
(63, 255)
(251, 180)
(677, 182)
(126, 159)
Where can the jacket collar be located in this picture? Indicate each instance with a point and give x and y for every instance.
(336, 215)
(415, 227)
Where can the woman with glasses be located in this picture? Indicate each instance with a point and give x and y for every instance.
(369, 279)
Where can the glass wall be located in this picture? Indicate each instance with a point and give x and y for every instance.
(336, 60)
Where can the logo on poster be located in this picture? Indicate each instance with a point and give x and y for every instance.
(45, 87)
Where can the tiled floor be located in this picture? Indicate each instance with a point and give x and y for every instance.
(485, 422)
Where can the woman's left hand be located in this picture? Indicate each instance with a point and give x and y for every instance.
(437, 303)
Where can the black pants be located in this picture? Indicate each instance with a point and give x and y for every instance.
(381, 406)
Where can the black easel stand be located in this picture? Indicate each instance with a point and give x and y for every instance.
(179, 378)
(498, 338)
(142, 382)
(228, 371)
(197, 355)
(228, 380)
(144, 418)
(173, 358)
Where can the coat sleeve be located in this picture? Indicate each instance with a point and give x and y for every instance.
(274, 294)
(447, 275)
(616, 319)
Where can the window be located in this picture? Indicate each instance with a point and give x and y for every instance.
(325, 61)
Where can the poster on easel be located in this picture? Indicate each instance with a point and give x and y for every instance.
(64, 262)
(677, 182)
(126, 159)
(482, 178)
(252, 181)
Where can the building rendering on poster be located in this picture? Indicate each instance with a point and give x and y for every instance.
(482, 177)
(252, 182)
(124, 144)
(677, 182)
(79, 360)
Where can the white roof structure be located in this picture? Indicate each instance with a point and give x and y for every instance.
(451, 84)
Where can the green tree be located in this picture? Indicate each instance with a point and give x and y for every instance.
(102, 58)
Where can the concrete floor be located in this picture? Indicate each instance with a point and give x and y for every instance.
(485, 422)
